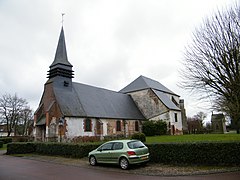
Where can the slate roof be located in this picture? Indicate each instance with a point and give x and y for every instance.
(61, 53)
(160, 90)
(142, 83)
(166, 100)
(88, 101)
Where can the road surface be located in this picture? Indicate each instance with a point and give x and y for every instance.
(17, 168)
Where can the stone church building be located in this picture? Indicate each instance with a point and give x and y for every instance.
(70, 109)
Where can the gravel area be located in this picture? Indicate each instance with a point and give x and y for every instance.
(149, 169)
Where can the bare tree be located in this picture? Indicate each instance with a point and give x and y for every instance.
(200, 116)
(11, 111)
(212, 62)
(194, 125)
(26, 120)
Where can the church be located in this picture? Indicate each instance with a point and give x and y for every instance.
(69, 109)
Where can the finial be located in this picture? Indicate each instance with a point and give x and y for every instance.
(62, 18)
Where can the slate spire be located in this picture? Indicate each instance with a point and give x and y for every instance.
(61, 66)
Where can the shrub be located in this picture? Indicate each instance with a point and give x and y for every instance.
(65, 149)
(83, 139)
(196, 153)
(20, 138)
(139, 136)
(114, 137)
(53, 149)
(21, 148)
(218, 153)
(1, 144)
(160, 128)
(6, 140)
(152, 128)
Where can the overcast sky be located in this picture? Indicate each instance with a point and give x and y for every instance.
(109, 42)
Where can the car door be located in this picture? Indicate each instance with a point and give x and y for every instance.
(117, 151)
(104, 153)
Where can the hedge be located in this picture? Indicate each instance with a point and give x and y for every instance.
(65, 149)
(1, 144)
(219, 153)
(21, 148)
(6, 140)
(52, 149)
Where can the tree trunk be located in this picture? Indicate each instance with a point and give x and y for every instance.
(237, 125)
(9, 132)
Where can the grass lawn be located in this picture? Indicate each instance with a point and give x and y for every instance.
(4, 147)
(194, 138)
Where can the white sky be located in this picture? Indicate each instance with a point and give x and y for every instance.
(109, 42)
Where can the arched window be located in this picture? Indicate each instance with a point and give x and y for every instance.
(118, 125)
(88, 125)
(136, 126)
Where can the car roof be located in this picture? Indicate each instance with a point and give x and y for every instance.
(123, 140)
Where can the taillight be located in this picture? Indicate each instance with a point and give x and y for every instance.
(130, 153)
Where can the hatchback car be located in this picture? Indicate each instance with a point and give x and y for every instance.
(122, 152)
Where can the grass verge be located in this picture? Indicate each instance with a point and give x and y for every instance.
(4, 147)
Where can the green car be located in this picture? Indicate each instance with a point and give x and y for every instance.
(122, 152)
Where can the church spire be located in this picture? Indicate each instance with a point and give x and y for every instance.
(61, 66)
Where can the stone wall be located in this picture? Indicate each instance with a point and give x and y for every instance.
(148, 103)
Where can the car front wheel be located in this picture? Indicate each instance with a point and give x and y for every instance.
(124, 164)
(92, 161)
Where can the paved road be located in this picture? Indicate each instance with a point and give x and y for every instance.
(17, 168)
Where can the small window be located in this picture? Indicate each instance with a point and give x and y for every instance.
(176, 118)
(88, 124)
(117, 146)
(118, 126)
(136, 126)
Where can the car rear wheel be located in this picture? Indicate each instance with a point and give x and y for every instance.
(124, 164)
(92, 161)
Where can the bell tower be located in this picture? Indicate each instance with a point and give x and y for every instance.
(61, 69)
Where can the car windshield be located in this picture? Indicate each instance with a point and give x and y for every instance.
(135, 144)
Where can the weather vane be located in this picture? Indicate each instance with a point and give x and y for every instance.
(62, 18)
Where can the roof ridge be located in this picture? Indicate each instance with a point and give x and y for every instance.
(97, 87)
(143, 82)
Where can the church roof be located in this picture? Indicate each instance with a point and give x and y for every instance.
(142, 83)
(166, 100)
(88, 101)
(61, 66)
(61, 52)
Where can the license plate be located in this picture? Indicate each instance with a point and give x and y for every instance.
(144, 157)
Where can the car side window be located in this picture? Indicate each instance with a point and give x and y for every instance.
(117, 146)
(107, 147)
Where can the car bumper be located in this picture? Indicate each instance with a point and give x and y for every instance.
(138, 159)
